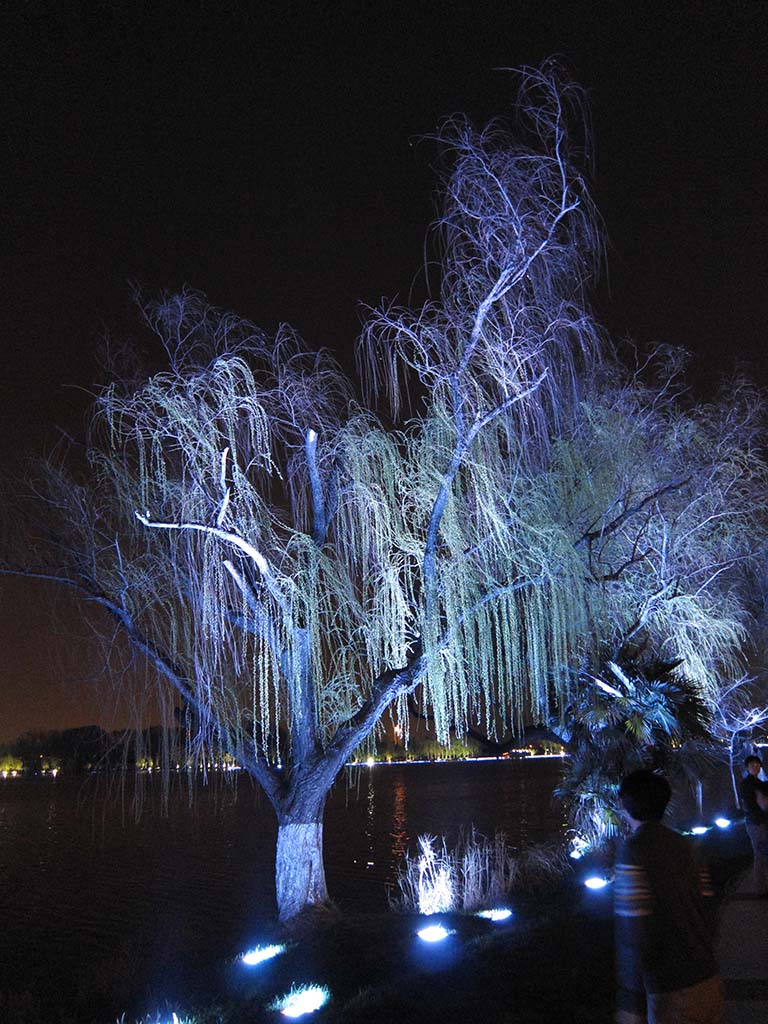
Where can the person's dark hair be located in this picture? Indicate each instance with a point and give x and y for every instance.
(645, 795)
(750, 759)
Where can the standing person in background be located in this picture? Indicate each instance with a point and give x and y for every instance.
(666, 968)
(757, 824)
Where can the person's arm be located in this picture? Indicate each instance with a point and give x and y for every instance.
(761, 799)
(747, 797)
(633, 909)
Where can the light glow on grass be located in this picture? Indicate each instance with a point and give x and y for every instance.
(699, 830)
(595, 882)
(433, 933)
(259, 954)
(497, 914)
(722, 822)
(302, 1000)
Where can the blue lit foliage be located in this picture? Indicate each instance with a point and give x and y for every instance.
(291, 565)
(617, 721)
(250, 522)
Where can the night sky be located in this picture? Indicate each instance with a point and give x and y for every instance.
(268, 154)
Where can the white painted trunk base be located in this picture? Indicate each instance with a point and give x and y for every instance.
(299, 871)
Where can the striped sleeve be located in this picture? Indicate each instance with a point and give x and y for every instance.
(632, 891)
(633, 910)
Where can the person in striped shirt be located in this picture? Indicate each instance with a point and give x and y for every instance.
(665, 963)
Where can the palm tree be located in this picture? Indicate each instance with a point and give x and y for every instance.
(646, 716)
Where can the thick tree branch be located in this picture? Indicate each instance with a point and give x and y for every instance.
(242, 545)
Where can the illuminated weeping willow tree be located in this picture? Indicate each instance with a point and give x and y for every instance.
(291, 569)
(295, 568)
(665, 504)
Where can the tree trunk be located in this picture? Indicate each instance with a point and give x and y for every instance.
(299, 869)
(732, 766)
(699, 797)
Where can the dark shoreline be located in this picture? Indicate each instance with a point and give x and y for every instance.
(553, 961)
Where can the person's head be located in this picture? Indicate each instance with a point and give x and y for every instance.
(753, 764)
(644, 795)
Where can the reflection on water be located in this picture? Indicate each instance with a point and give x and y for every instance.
(370, 823)
(375, 816)
(399, 832)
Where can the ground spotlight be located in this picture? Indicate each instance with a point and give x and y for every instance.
(302, 1000)
(722, 822)
(259, 954)
(497, 914)
(595, 882)
(433, 933)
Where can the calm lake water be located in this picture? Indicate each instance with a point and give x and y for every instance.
(84, 887)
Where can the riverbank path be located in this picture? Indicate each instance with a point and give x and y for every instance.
(742, 952)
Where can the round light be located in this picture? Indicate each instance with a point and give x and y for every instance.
(595, 882)
(303, 1000)
(699, 830)
(259, 954)
(497, 914)
(433, 933)
(370, 762)
(722, 822)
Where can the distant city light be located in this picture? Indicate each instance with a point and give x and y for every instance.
(370, 762)
(302, 1000)
(259, 954)
(722, 822)
(595, 882)
(433, 933)
(699, 830)
(497, 914)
